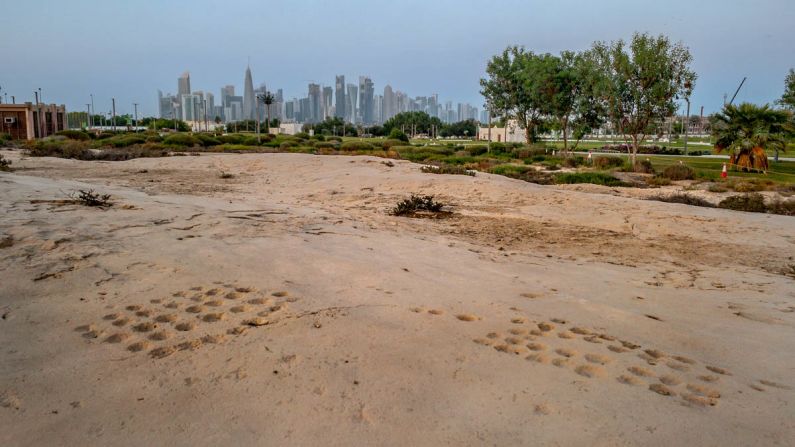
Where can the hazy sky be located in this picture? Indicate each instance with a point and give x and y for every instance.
(129, 49)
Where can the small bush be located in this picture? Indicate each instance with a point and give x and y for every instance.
(232, 138)
(392, 142)
(412, 205)
(678, 172)
(325, 145)
(658, 181)
(397, 134)
(5, 165)
(356, 146)
(74, 134)
(752, 203)
(573, 162)
(226, 175)
(785, 207)
(207, 140)
(596, 178)
(124, 140)
(181, 139)
(748, 187)
(91, 198)
(717, 187)
(288, 144)
(334, 138)
(683, 199)
(643, 167)
(603, 162)
(447, 169)
(5, 137)
(301, 135)
(476, 150)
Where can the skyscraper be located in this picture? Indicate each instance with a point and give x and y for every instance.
(351, 105)
(390, 106)
(340, 105)
(328, 105)
(183, 84)
(366, 99)
(315, 104)
(249, 111)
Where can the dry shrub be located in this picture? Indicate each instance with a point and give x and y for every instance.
(678, 172)
(752, 203)
(658, 181)
(5, 165)
(785, 207)
(684, 199)
(413, 204)
(603, 162)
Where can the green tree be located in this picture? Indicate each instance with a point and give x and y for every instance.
(413, 123)
(511, 88)
(747, 130)
(466, 128)
(333, 126)
(267, 98)
(641, 83)
(788, 98)
(397, 134)
(159, 124)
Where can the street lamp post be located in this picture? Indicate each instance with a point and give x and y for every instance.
(135, 105)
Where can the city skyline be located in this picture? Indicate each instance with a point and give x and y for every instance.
(355, 103)
(440, 46)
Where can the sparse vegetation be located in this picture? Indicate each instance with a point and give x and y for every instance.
(447, 169)
(752, 203)
(91, 198)
(5, 164)
(678, 172)
(685, 199)
(226, 175)
(596, 178)
(605, 162)
(415, 204)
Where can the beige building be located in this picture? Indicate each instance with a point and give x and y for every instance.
(22, 121)
(513, 133)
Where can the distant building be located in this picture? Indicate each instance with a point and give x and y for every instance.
(249, 106)
(183, 84)
(366, 100)
(512, 134)
(28, 121)
(390, 106)
(340, 105)
(328, 107)
(315, 104)
(351, 105)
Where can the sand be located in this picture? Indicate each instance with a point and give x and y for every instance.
(285, 306)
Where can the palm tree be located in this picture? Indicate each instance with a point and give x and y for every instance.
(746, 130)
(268, 99)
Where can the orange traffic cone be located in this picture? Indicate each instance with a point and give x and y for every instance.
(724, 173)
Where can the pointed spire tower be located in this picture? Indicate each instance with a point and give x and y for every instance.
(249, 106)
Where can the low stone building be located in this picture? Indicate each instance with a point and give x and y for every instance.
(22, 121)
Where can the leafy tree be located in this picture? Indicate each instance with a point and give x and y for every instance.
(332, 126)
(512, 88)
(788, 98)
(640, 83)
(467, 128)
(161, 123)
(746, 130)
(413, 123)
(397, 134)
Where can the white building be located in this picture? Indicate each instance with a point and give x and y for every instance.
(512, 134)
